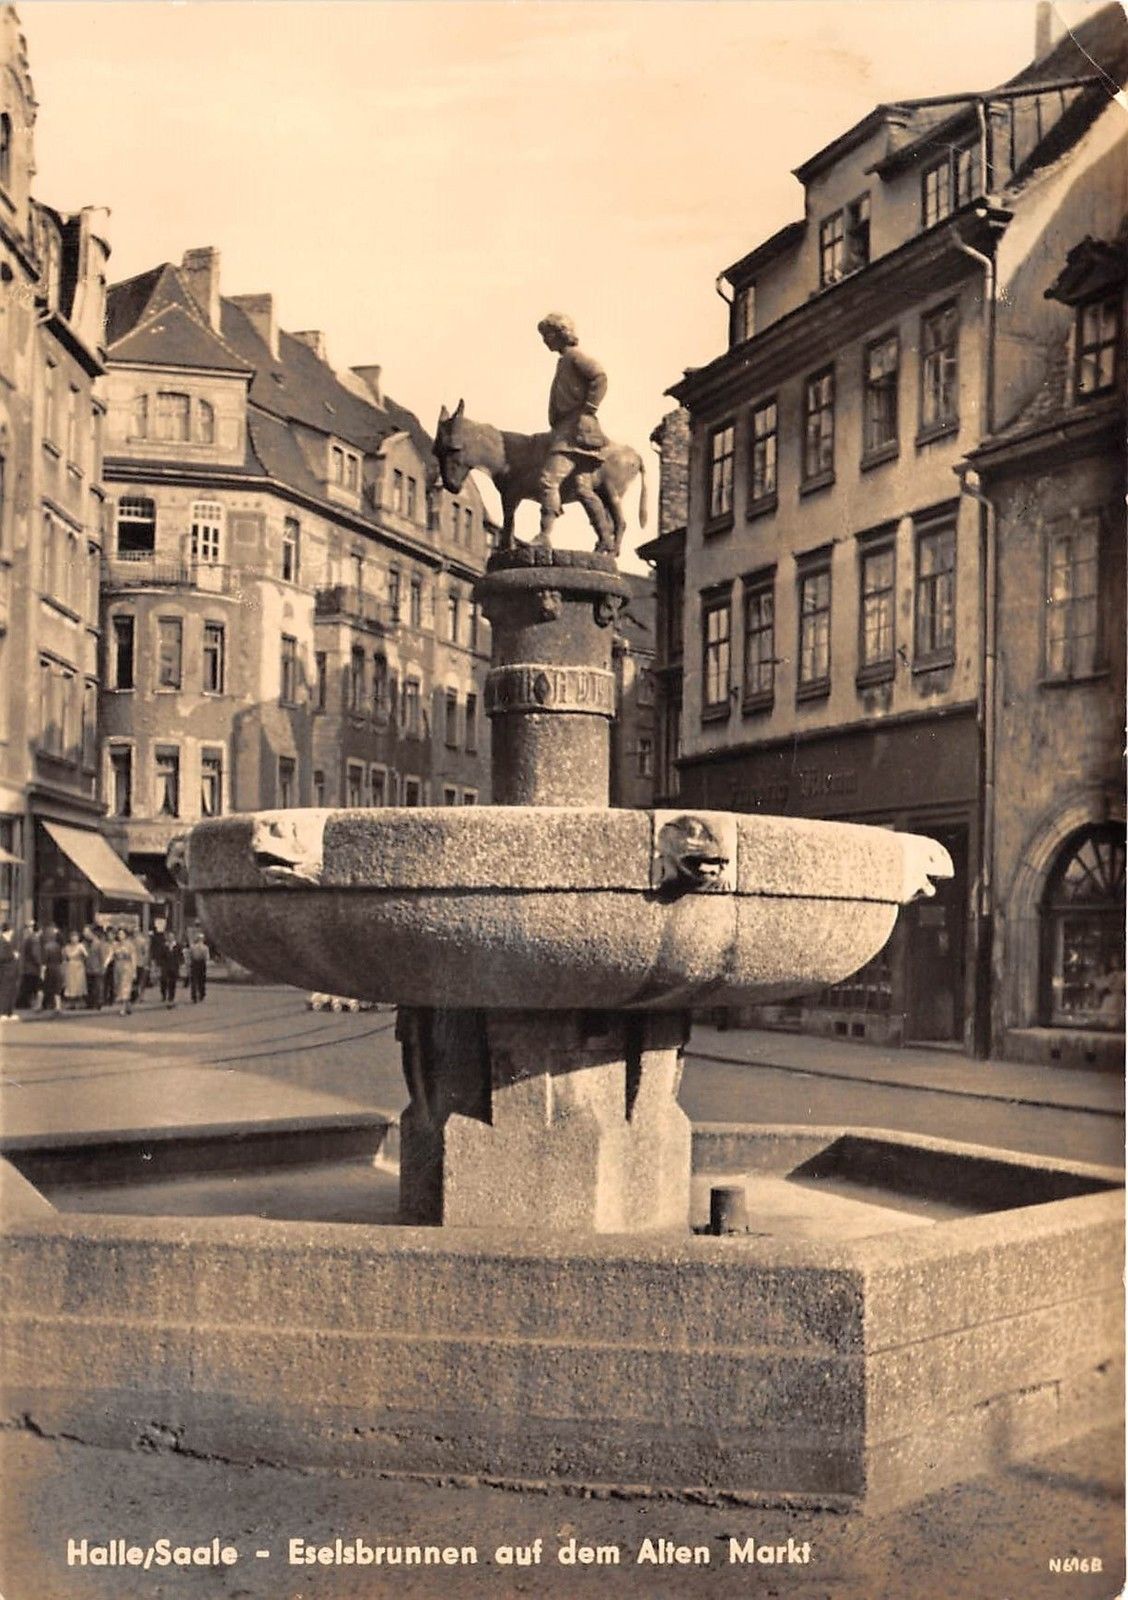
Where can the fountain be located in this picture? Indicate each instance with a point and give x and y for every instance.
(895, 1311)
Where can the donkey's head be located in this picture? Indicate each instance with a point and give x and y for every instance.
(449, 448)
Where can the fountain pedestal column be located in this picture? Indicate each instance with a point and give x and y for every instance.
(546, 1117)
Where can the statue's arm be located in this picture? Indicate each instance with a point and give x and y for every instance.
(594, 380)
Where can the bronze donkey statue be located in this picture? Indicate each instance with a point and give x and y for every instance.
(514, 461)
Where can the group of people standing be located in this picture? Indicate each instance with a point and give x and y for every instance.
(100, 967)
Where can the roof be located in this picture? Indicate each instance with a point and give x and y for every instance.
(786, 238)
(154, 319)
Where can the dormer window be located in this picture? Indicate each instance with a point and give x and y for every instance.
(205, 422)
(844, 241)
(743, 314)
(173, 417)
(1098, 335)
(344, 468)
(950, 183)
(337, 464)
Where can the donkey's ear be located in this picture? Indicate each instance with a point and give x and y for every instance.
(461, 408)
(444, 415)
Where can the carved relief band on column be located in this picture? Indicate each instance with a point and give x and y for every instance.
(536, 686)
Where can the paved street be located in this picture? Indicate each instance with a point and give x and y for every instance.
(251, 1050)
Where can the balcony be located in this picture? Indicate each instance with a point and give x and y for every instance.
(144, 569)
(345, 600)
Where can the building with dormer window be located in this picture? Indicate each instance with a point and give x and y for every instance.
(833, 633)
(286, 591)
(54, 863)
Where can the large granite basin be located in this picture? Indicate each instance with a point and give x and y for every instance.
(553, 907)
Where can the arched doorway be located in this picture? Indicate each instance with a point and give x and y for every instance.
(1083, 931)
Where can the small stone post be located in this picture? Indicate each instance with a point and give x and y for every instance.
(535, 1117)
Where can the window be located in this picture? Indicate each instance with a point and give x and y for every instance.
(939, 347)
(472, 722)
(167, 790)
(336, 464)
(1083, 931)
(321, 680)
(48, 556)
(814, 631)
(645, 690)
(211, 783)
(72, 425)
(121, 650)
(352, 471)
(451, 718)
(378, 786)
(475, 624)
(136, 525)
(354, 784)
(469, 797)
(467, 525)
(287, 782)
(121, 780)
(716, 631)
(205, 422)
(318, 787)
(818, 434)
(89, 726)
(380, 703)
(356, 680)
(950, 183)
(173, 417)
(289, 691)
(452, 618)
(398, 491)
(721, 449)
(1072, 557)
(762, 465)
(644, 757)
(743, 321)
(879, 382)
(50, 401)
(935, 595)
(759, 641)
(412, 792)
(876, 610)
(450, 795)
(139, 417)
(412, 708)
(411, 505)
(170, 652)
(291, 532)
(1098, 336)
(455, 509)
(844, 242)
(214, 666)
(415, 602)
(5, 149)
(207, 531)
(394, 595)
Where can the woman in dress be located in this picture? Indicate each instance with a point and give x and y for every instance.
(124, 963)
(52, 970)
(74, 972)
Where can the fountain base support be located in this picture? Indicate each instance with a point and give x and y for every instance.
(544, 1120)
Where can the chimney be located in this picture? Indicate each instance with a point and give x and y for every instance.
(259, 308)
(1046, 31)
(201, 269)
(314, 341)
(371, 377)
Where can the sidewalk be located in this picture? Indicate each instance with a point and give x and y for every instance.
(941, 1071)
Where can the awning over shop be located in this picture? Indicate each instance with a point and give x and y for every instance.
(95, 860)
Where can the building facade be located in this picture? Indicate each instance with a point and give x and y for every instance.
(633, 732)
(834, 568)
(1053, 501)
(54, 863)
(286, 595)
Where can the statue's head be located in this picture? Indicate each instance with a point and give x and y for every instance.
(448, 448)
(557, 331)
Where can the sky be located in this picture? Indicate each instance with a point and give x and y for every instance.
(423, 179)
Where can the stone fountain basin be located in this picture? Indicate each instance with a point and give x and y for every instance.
(553, 907)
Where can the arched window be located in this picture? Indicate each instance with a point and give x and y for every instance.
(5, 149)
(1083, 931)
(205, 422)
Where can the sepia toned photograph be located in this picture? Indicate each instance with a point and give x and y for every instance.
(562, 799)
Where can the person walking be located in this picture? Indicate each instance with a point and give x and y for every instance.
(9, 973)
(197, 966)
(123, 964)
(97, 952)
(52, 970)
(31, 967)
(168, 963)
(74, 972)
(141, 951)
